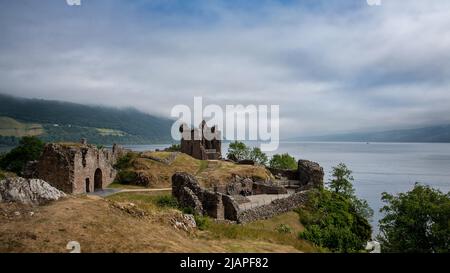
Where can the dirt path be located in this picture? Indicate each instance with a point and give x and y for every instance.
(109, 192)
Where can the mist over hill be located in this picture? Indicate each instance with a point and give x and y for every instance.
(432, 134)
(64, 121)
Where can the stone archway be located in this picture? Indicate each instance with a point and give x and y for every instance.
(98, 180)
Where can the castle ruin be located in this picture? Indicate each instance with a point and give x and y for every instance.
(245, 200)
(203, 143)
(77, 168)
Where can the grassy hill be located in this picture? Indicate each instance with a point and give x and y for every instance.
(159, 174)
(63, 121)
(115, 226)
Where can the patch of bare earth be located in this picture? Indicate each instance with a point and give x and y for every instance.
(101, 225)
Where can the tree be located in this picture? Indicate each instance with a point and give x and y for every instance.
(416, 221)
(342, 181)
(258, 156)
(238, 151)
(283, 162)
(30, 148)
(342, 184)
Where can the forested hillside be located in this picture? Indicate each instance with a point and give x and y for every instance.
(64, 121)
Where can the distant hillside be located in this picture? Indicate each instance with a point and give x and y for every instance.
(428, 134)
(63, 121)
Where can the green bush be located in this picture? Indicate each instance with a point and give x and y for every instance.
(167, 201)
(188, 210)
(203, 222)
(258, 156)
(125, 161)
(283, 228)
(283, 162)
(174, 148)
(416, 221)
(126, 177)
(29, 149)
(331, 221)
(238, 151)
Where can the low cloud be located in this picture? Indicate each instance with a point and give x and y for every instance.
(331, 67)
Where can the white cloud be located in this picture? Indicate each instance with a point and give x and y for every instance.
(330, 71)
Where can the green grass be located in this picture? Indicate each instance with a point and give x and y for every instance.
(167, 201)
(12, 127)
(282, 229)
(203, 166)
(144, 200)
(264, 230)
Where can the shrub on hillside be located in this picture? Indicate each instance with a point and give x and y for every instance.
(126, 177)
(331, 221)
(167, 201)
(125, 161)
(29, 149)
(335, 218)
(283, 162)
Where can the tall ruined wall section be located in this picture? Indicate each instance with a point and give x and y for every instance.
(57, 167)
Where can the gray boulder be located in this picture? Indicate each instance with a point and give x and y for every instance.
(28, 191)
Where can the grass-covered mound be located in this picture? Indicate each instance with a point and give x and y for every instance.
(158, 168)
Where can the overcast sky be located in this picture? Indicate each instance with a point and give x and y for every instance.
(332, 66)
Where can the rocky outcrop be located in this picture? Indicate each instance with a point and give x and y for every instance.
(310, 174)
(184, 222)
(28, 191)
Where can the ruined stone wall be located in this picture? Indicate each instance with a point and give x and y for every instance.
(78, 168)
(57, 167)
(222, 205)
(276, 207)
(204, 202)
(263, 188)
(87, 162)
(195, 144)
(289, 174)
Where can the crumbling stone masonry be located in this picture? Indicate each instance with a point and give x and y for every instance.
(202, 143)
(224, 203)
(78, 167)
